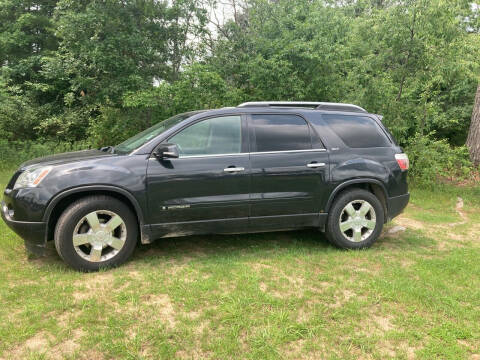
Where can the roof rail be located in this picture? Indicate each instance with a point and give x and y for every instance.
(306, 104)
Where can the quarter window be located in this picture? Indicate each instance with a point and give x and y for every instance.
(221, 135)
(280, 133)
(357, 131)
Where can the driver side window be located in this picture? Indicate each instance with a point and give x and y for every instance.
(221, 135)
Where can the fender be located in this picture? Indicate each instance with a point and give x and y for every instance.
(351, 182)
(144, 229)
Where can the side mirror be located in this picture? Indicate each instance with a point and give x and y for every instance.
(166, 151)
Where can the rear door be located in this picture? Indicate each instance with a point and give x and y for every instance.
(289, 171)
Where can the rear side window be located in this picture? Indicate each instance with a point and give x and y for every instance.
(281, 133)
(357, 131)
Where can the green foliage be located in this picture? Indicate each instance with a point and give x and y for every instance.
(13, 153)
(64, 60)
(198, 87)
(411, 61)
(85, 70)
(433, 161)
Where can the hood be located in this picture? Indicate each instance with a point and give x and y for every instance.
(65, 158)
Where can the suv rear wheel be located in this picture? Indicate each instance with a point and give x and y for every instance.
(355, 220)
(96, 232)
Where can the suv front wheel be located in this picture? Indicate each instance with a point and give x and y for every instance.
(355, 220)
(96, 232)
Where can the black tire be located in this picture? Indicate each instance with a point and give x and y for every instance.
(333, 232)
(73, 214)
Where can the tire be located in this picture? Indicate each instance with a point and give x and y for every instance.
(359, 231)
(86, 239)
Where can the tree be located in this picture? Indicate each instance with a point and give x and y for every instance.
(67, 60)
(473, 140)
(108, 48)
(410, 60)
(27, 37)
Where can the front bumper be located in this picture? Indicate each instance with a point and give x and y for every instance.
(32, 232)
(396, 205)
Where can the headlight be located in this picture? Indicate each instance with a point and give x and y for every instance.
(32, 177)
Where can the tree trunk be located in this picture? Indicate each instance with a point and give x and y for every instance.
(473, 140)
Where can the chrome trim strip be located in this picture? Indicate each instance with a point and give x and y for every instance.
(252, 153)
(287, 151)
(212, 155)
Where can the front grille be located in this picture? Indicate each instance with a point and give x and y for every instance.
(14, 178)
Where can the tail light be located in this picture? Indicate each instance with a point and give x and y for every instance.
(402, 160)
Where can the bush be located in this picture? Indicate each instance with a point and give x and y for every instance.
(434, 161)
(13, 153)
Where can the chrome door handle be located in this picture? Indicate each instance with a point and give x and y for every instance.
(233, 169)
(315, 165)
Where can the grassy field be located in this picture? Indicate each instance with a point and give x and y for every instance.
(414, 294)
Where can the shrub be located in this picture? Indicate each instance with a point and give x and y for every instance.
(433, 161)
(13, 153)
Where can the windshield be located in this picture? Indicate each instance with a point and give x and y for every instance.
(145, 136)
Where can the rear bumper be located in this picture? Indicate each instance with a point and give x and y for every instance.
(396, 205)
(32, 232)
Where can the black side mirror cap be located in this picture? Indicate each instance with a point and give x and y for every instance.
(166, 151)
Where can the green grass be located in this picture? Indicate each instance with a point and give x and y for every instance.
(414, 294)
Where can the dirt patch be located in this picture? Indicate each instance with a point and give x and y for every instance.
(97, 281)
(296, 350)
(67, 347)
(409, 223)
(65, 318)
(93, 284)
(293, 349)
(395, 350)
(93, 355)
(41, 343)
(383, 322)
(295, 281)
(396, 229)
(295, 286)
(320, 287)
(163, 307)
(342, 299)
(460, 212)
(192, 355)
(175, 268)
(260, 266)
(37, 343)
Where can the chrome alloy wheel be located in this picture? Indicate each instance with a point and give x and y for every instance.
(99, 236)
(357, 220)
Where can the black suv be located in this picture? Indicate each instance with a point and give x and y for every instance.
(262, 166)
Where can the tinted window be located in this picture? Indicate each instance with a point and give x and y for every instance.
(222, 135)
(281, 132)
(357, 131)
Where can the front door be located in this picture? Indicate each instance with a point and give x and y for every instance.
(206, 189)
(289, 175)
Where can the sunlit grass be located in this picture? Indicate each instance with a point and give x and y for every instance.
(263, 296)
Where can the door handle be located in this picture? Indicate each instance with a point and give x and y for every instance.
(233, 169)
(315, 165)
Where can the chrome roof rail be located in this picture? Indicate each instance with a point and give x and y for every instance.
(305, 104)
